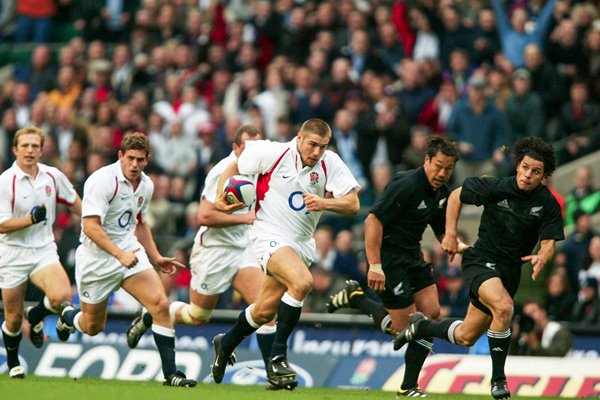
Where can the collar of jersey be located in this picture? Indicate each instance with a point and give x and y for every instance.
(22, 174)
(121, 177)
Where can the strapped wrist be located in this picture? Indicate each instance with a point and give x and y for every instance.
(376, 267)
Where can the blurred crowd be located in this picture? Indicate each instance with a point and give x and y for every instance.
(384, 74)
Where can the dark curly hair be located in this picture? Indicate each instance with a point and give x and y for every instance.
(537, 149)
(436, 143)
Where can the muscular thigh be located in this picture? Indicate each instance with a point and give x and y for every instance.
(146, 287)
(18, 264)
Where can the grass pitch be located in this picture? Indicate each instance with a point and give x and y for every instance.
(43, 388)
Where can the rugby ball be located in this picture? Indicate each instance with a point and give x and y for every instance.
(239, 189)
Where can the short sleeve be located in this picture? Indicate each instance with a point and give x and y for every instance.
(477, 190)
(65, 191)
(552, 223)
(97, 193)
(340, 180)
(259, 156)
(143, 214)
(391, 202)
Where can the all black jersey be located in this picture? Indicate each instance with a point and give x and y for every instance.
(405, 208)
(513, 220)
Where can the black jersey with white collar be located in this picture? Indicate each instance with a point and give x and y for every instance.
(513, 220)
(405, 208)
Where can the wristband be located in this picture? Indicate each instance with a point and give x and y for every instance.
(376, 267)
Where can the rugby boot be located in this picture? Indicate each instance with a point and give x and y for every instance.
(221, 359)
(342, 298)
(410, 332)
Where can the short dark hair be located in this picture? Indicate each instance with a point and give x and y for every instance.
(537, 149)
(316, 126)
(251, 130)
(437, 143)
(135, 141)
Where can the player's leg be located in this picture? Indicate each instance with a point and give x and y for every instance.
(12, 299)
(495, 297)
(269, 295)
(147, 288)
(53, 281)
(247, 282)
(426, 301)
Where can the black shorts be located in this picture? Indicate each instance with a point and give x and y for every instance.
(404, 276)
(477, 269)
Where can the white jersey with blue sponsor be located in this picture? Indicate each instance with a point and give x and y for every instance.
(110, 196)
(282, 180)
(231, 236)
(20, 192)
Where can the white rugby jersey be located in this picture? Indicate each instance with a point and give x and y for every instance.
(282, 180)
(20, 192)
(233, 236)
(110, 196)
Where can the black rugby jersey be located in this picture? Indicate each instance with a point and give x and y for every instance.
(405, 208)
(513, 220)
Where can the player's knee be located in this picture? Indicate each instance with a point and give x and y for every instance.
(59, 297)
(94, 328)
(301, 287)
(503, 310)
(13, 322)
(195, 315)
(263, 316)
(159, 305)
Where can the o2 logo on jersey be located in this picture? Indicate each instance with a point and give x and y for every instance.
(125, 219)
(296, 201)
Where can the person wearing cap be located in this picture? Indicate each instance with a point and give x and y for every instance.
(524, 109)
(480, 130)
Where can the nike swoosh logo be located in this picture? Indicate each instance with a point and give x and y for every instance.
(285, 177)
(25, 196)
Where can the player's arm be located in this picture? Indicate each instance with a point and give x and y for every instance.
(373, 239)
(92, 227)
(345, 205)
(450, 241)
(209, 215)
(539, 260)
(76, 206)
(168, 265)
(221, 203)
(17, 223)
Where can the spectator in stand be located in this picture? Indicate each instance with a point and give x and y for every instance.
(584, 197)
(414, 95)
(412, 156)
(571, 255)
(513, 34)
(460, 69)
(566, 50)
(545, 81)
(307, 100)
(524, 109)
(67, 90)
(487, 39)
(427, 43)
(454, 300)
(578, 124)
(454, 35)
(587, 308)
(177, 154)
(437, 111)
(345, 142)
(533, 334)
(39, 73)
(363, 58)
(391, 49)
(480, 130)
(591, 59)
(34, 21)
(345, 263)
(590, 268)
(499, 87)
(559, 297)
(20, 103)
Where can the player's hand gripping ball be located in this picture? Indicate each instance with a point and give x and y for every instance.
(239, 189)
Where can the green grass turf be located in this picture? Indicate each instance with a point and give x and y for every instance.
(42, 388)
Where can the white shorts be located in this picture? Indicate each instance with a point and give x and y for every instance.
(98, 274)
(17, 264)
(213, 268)
(266, 243)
